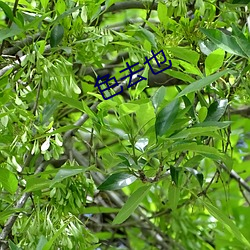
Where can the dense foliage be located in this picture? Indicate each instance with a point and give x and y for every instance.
(162, 165)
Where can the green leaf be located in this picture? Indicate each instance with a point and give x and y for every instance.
(202, 114)
(197, 85)
(227, 223)
(214, 61)
(144, 34)
(198, 175)
(35, 184)
(173, 196)
(193, 132)
(7, 10)
(166, 117)
(162, 12)
(98, 210)
(132, 203)
(13, 246)
(66, 172)
(158, 97)
(128, 108)
(180, 75)
(70, 101)
(8, 180)
(9, 211)
(117, 181)
(44, 3)
(49, 110)
(223, 41)
(41, 243)
(68, 12)
(9, 32)
(174, 172)
(219, 125)
(216, 110)
(245, 2)
(49, 244)
(186, 54)
(56, 35)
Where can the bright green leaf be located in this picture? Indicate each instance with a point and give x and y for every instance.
(186, 54)
(214, 61)
(8, 180)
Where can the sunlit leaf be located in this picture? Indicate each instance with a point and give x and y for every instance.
(223, 41)
(117, 181)
(8, 180)
(158, 97)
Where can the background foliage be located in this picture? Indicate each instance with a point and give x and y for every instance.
(164, 165)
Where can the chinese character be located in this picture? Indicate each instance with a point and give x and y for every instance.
(158, 64)
(131, 74)
(97, 84)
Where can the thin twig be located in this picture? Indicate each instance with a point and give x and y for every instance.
(148, 14)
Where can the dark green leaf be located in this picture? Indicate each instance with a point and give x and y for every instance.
(245, 2)
(216, 110)
(56, 35)
(117, 181)
(174, 172)
(166, 117)
(198, 175)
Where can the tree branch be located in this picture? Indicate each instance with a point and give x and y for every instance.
(20, 203)
(236, 177)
